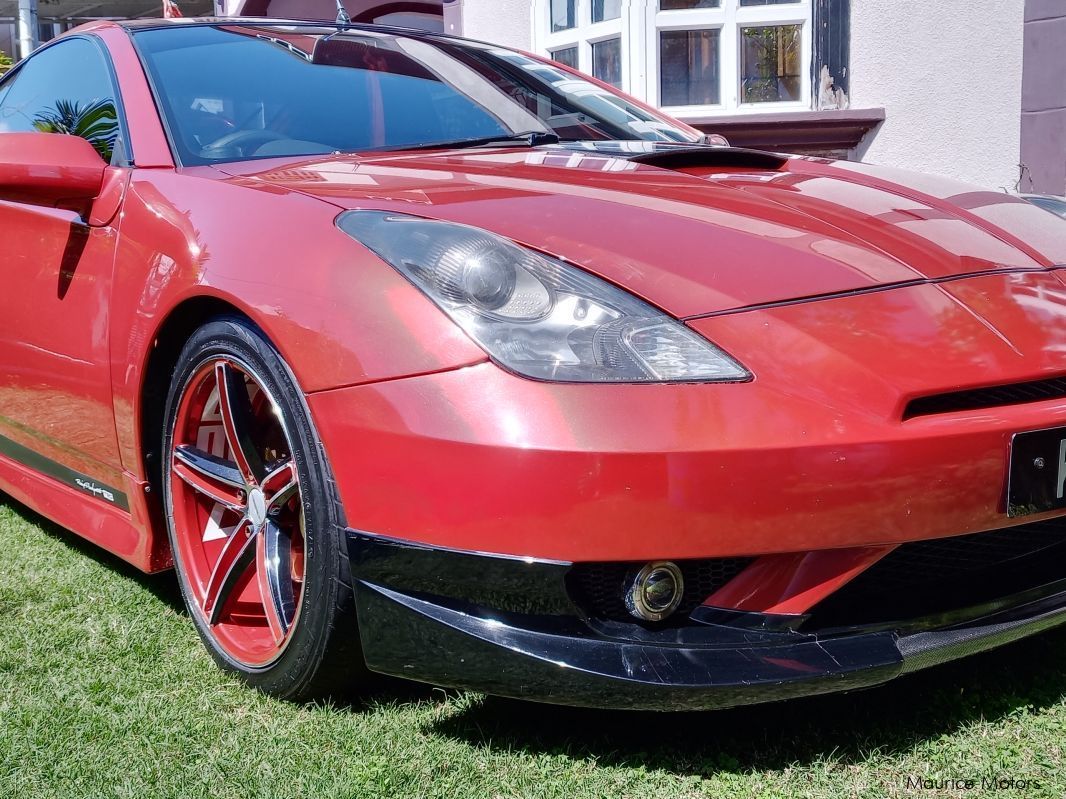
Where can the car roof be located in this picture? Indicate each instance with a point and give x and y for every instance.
(185, 22)
(160, 23)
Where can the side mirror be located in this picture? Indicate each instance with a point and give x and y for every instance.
(52, 169)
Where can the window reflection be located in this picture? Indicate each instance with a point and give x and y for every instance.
(96, 122)
(603, 10)
(689, 68)
(677, 5)
(770, 59)
(607, 61)
(564, 14)
(567, 55)
(64, 88)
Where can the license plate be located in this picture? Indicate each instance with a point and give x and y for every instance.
(1037, 476)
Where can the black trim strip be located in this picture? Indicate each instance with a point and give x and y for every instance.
(997, 396)
(48, 467)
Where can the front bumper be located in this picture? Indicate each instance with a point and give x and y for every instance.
(481, 460)
(507, 626)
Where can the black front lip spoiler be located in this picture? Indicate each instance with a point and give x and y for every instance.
(410, 632)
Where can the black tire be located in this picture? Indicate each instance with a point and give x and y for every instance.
(322, 657)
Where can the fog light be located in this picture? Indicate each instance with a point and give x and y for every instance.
(655, 591)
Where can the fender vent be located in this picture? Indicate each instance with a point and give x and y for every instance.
(990, 397)
(925, 578)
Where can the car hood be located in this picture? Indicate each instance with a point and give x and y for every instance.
(701, 230)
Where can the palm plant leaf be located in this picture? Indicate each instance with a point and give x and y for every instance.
(96, 122)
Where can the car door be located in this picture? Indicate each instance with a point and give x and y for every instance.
(56, 413)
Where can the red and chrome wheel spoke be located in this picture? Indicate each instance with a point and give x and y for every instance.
(213, 477)
(237, 555)
(235, 407)
(280, 485)
(273, 563)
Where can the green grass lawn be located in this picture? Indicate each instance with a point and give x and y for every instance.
(106, 691)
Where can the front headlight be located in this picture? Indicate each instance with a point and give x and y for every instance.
(536, 315)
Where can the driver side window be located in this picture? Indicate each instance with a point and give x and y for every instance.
(65, 88)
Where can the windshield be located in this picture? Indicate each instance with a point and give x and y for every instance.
(233, 92)
(1052, 204)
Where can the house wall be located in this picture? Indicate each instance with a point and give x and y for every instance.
(503, 22)
(1044, 98)
(949, 76)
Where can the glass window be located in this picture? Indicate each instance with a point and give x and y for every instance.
(606, 9)
(564, 14)
(770, 64)
(412, 19)
(1053, 204)
(236, 92)
(65, 88)
(568, 56)
(607, 61)
(677, 5)
(688, 70)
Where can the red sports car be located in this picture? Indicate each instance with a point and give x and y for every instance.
(420, 356)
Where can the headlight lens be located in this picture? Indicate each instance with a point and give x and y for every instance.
(536, 315)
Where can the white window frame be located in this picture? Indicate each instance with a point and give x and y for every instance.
(641, 23)
(585, 33)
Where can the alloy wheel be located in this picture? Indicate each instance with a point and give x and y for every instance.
(237, 511)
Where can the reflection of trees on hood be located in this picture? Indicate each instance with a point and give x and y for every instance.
(96, 122)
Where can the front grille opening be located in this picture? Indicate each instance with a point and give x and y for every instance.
(990, 397)
(598, 588)
(927, 578)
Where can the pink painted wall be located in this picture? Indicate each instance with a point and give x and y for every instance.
(316, 9)
(1044, 98)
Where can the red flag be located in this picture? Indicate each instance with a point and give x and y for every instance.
(170, 9)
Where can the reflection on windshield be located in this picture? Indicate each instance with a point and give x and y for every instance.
(610, 113)
(236, 92)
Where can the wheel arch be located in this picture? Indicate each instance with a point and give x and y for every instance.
(175, 330)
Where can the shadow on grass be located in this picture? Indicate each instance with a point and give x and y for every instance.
(845, 728)
(163, 585)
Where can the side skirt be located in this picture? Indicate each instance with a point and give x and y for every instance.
(125, 529)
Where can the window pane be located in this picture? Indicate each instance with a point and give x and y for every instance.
(688, 67)
(607, 61)
(674, 5)
(64, 89)
(568, 56)
(606, 9)
(412, 19)
(770, 64)
(564, 14)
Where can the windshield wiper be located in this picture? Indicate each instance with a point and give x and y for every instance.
(529, 138)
